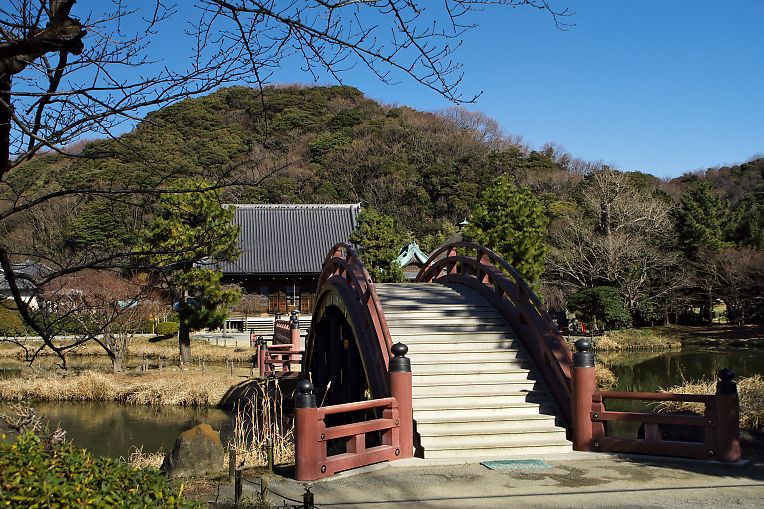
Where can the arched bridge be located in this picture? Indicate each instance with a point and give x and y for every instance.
(491, 375)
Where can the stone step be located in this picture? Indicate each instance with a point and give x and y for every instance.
(418, 329)
(487, 453)
(462, 345)
(469, 399)
(452, 368)
(458, 390)
(415, 334)
(467, 425)
(483, 412)
(554, 436)
(506, 375)
(477, 356)
(422, 321)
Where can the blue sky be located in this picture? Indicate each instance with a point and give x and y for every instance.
(658, 86)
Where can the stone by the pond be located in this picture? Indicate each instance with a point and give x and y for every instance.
(197, 451)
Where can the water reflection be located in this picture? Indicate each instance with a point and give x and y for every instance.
(111, 429)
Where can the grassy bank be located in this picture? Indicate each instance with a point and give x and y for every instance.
(182, 388)
(652, 338)
(140, 346)
(750, 390)
(672, 337)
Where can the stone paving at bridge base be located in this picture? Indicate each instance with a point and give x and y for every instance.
(575, 480)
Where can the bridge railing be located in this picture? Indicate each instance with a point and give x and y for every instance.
(313, 435)
(488, 273)
(342, 261)
(284, 354)
(713, 435)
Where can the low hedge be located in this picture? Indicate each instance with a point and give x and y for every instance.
(167, 328)
(33, 477)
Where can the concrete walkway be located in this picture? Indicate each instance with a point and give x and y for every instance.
(575, 480)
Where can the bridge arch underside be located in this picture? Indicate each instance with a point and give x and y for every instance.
(342, 361)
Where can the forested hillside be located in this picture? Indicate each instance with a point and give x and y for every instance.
(667, 247)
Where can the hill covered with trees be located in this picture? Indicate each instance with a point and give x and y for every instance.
(667, 247)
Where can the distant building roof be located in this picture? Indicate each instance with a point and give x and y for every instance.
(25, 271)
(289, 239)
(411, 253)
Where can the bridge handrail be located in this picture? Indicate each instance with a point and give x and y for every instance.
(717, 424)
(550, 352)
(281, 331)
(653, 396)
(343, 261)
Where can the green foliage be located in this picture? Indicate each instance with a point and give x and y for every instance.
(602, 304)
(325, 143)
(167, 328)
(33, 477)
(700, 218)
(11, 322)
(378, 242)
(192, 228)
(513, 223)
(207, 302)
(103, 226)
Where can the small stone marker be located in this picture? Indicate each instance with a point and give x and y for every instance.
(197, 451)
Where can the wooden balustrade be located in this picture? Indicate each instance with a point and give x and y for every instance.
(717, 432)
(313, 459)
(284, 354)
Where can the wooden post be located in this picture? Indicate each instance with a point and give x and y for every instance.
(295, 336)
(262, 350)
(307, 448)
(231, 464)
(584, 383)
(400, 389)
(727, 417)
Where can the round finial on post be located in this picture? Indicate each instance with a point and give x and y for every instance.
(294, 319)
(400, 362)
(726, 383)
(305, 397)
(584, 357)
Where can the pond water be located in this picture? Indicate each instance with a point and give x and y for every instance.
(652, 371)
(112, 429)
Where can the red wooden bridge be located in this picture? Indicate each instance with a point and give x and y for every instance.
(464, 363)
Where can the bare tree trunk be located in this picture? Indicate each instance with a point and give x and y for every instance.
(5, 124)
(184, 341)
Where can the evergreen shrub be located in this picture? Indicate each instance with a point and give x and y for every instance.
(167, 328)
(33, 476)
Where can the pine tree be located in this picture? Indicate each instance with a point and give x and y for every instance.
(378, 242)
(192, 232)
(512, 222)
(700, 219)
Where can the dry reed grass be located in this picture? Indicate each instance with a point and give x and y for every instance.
(659, 338)
(261, 419)
(750, 391)
(139, 459)
(140, 346)
(168, 388)
(606, 379)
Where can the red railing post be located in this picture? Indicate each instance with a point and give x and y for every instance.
(262, 351)
(584, 384)
(295, 331)
(309, 460)
(727, 417)
(400, 389)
